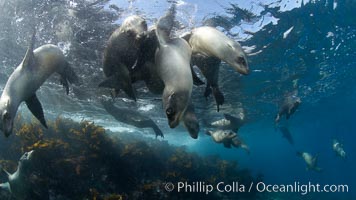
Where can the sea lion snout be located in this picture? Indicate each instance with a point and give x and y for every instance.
(173, 119)
(241, 65)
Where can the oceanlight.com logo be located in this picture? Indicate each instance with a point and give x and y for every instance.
(236, 187)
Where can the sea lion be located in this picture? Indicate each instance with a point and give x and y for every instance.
(230, 122)
(18, 182)
(338, 149)
(286, 134)
(228, 138)
(122, 53)
(147, 71)
(288, 107)
(209, 47)
(23, 83)
(211, 42)
(172, 60)
(310, 161)
(131, 117)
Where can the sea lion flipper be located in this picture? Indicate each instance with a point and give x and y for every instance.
(207, 91)
(29, 58)
(165, 25)
(34, 105)
(114, 82)
(110, 82)
(219, 97)
(68, 75)
(186, 36)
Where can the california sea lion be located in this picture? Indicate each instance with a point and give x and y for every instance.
(230, 122)
(209, 47)
(338, 149)
(18, 182)
(288, 107)
(122, 55)
(131, 117)
(211, 42)
(173, 66)
(147, 70)
(310, 160)
(23, 83)
(228, 138)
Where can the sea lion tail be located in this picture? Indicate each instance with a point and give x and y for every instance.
(68, 76)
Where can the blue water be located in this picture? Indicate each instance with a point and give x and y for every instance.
(317, 58)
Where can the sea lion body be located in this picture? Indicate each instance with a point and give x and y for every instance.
(172, 60)
(209, 47)
(23, 83)
(288, 107)
(338, 149)
(228, 138)
(230, 122)
(211, 42)
(122, 54)
(18, 182)
(132, 117)
(310, 160)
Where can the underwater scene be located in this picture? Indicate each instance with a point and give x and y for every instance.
(173, 99)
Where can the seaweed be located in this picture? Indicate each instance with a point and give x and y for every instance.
(81, 160)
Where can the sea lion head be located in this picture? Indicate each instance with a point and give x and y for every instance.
(174, 105)
(25, 162)
(236, 57)
(7, 117)
(135, 25)
(27, 156)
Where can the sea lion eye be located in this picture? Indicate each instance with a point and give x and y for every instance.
(241, 60)
(170, 112)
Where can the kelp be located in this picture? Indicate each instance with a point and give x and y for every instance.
(81, 160)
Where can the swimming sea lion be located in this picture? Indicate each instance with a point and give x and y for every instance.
(228, 138)
(122, 54)
(23, 83)
(172, 60)
(310, 161)
(288, 107)
(18, 182)
(211, 42)
(131, 117)
(338, 149)
(230, 122)
(209, 47)
(147, 70)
